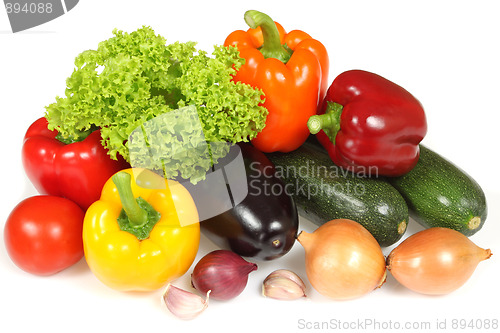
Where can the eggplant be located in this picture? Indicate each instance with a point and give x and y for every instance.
(244, 207)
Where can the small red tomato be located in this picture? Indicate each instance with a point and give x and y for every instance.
(43, 234)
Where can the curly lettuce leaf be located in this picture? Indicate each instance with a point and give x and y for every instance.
(176, 142)
(134, 77)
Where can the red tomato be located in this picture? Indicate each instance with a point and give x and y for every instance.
(43, 234)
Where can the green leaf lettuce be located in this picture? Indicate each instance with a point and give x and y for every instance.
(134, 77)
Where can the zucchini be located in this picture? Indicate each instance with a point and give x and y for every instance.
(439, 194)
(323, 191)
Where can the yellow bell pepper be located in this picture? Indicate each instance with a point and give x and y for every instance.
(139, 237)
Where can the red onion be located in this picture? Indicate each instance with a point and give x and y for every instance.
(223, 272)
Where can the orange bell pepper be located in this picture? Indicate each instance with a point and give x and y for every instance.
(292, 71)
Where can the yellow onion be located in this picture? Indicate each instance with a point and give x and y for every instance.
(435, 261)
(343, 260)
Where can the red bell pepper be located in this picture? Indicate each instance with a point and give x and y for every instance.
(76, 171)
(369, 124)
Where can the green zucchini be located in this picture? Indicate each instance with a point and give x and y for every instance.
(439, 194)
(323, 191)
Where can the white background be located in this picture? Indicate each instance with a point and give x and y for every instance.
(445, 53)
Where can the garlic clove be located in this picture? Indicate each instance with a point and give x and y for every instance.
(285, 273)
(283, 285)
(184, 304)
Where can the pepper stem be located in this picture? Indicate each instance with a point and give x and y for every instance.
(136, 215)
(79, 135)
(271, 47)
(329, 122)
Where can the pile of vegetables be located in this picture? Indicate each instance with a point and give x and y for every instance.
(129, 158)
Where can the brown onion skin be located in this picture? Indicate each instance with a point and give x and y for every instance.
(343, 260)
(435, 261)
(223, 272)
